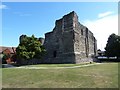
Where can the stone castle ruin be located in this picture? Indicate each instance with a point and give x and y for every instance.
(69, 42)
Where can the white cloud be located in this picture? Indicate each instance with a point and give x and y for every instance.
(101, 15)
(102, 28)
(3, 7)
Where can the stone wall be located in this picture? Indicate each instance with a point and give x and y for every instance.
(41, 40)
(69, 42)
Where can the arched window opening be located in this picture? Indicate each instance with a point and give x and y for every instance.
(81, 31)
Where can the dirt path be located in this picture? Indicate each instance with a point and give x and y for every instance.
(28, 67)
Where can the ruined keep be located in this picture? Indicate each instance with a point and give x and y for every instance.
(69, 42)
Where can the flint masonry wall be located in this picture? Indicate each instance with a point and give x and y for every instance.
(69, 42)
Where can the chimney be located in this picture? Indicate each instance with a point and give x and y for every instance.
(13, 50)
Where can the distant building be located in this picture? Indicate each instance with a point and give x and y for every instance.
(100, 53)
(9, 51)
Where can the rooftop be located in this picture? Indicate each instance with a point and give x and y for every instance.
(2, 48)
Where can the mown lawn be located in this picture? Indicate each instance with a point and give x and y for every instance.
(96, 76)
(0, 77)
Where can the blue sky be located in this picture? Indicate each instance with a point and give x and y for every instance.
(39, 17)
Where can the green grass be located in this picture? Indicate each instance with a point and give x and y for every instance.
(96, 76)
(0, 77)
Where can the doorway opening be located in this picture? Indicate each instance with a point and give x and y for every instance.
(54, 53)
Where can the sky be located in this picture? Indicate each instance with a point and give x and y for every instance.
(39, 18)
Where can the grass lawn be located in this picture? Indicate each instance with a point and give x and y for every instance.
(0, 78)
(96, 76)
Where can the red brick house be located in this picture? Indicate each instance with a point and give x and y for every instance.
(10, 52)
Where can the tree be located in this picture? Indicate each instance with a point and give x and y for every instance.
(29, 48)
(113, 46)
(5, 57)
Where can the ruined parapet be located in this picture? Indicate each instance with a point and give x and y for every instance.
(21, 38)
(41, 40)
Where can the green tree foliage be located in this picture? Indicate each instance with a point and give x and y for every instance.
(5, 57)
(29, 48)
(113, 46)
